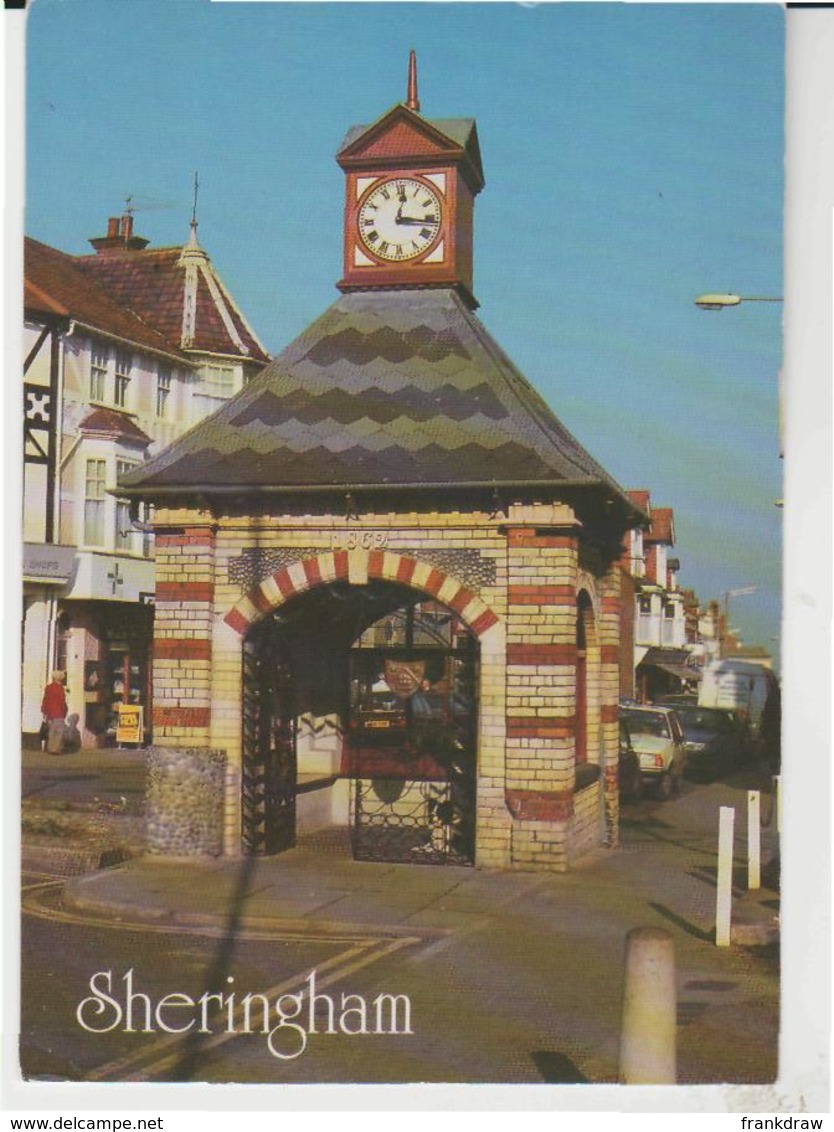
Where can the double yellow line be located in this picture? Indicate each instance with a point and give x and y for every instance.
(162, 1054)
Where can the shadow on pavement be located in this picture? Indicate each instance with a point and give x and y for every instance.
(681, 923)
(557, 1068)
(55, 780)
(187, 1064)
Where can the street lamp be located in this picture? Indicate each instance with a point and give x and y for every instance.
(742, 591)
(718, 302)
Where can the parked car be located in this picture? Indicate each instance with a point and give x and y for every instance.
(679, 699)
(657, 737)
(716, 741)
(630, 778)
(380, 718)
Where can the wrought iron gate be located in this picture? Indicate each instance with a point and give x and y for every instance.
(414, 775)
(269, 745)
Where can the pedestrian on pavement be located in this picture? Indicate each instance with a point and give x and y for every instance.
(54, 709)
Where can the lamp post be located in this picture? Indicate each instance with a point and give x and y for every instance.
(741, 592)
(718, 302)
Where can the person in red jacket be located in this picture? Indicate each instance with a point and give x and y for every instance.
(54, 709)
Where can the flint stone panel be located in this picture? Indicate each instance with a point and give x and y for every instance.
(185, 801)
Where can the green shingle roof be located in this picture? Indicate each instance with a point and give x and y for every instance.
(386, 389)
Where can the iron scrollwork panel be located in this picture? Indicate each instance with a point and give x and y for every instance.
(269, 750)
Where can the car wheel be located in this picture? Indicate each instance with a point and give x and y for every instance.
(665, 786)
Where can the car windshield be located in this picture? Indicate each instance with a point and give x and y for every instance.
(380, 701)
(648, 723)
(704, 719)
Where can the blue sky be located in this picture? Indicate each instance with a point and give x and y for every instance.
(633, 157)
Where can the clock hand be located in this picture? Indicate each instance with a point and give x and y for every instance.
(416, 220)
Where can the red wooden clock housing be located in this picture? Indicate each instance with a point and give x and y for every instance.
(443, 153)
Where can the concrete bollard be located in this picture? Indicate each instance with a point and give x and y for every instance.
(724, 889)
(648, 1038)
(754, 840)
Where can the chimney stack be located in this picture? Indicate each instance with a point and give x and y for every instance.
(119, 236)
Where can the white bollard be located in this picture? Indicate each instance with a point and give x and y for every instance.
(754, 840)
(647, 1042)
(777, 793)
(724, 891)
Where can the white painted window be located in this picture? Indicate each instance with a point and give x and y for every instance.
(99, 359)
(219, 381)
(125, 537)
(95, 502)
(163, 390)
(121, 393)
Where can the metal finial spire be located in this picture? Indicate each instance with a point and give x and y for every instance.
(194, 209)
(412, 102)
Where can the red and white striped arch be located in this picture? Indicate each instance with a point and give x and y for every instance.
(358, 567)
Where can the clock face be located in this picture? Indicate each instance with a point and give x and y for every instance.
(400, 219)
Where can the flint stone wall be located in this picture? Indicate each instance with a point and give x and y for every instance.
(185, 801)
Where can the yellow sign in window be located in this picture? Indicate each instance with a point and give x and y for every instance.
(130, 726)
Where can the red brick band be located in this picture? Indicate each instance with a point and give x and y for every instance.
(181, 716)
(185, 591)
(541, 595)
(526, 536)
(181, 648)
(611, 604)
(193, 538)
(610, 654)
(541, 654)
(540, 805)
(541, 726)
(609, 713)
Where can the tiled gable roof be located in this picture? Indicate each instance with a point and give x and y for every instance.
(152, 283)
(391, 388)
(640, 498)
(55, 284)
(662, 529)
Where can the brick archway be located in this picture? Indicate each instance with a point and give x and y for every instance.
(358, 567)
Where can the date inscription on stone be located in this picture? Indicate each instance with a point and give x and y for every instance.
(358, 540)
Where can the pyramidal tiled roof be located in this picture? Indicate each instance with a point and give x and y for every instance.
(152, 282)
(388, 388)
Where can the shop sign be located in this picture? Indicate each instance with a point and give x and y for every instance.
(129, 728)
(46, 562)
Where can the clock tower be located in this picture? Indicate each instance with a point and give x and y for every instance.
(410, 190)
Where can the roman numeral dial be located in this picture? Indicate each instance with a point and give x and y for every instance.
(400, 219)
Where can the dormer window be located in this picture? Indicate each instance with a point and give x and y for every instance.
(219, 380)
(124, 362)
